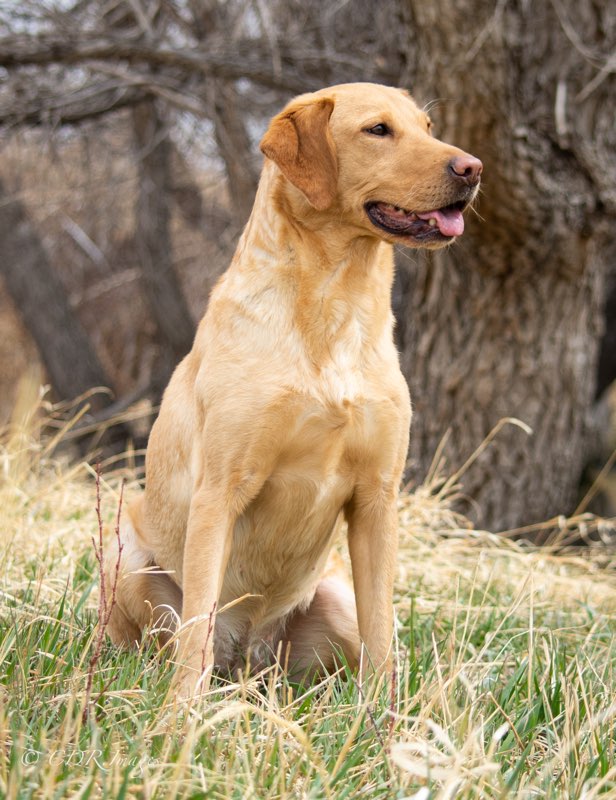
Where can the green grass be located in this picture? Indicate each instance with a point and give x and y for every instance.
(504, 685)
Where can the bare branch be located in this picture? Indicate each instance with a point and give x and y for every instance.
(70, 108)
(106, 603)
(241, 59)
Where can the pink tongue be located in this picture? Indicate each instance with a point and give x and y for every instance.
(450, 222)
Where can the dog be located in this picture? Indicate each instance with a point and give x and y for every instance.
(290, 415)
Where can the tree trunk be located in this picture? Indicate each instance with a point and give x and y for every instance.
(209, 18)
(40, 298)
(235, 148)
(606, 374)
(153, 239)
(506, 323)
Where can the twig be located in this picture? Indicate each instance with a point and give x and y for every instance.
(210, 629)
(105, 604)
(370, 714)
(392, 701)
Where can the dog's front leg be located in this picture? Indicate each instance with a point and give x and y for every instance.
(206, 553)
(373, 546)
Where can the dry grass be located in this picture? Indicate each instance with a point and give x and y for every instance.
(504, 681)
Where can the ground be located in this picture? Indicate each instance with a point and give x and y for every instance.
(504, 682)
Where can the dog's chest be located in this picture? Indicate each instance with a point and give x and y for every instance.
(330, 447)
(340, 380)
(283, 539)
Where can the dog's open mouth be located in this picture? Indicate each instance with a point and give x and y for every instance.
(439, 224)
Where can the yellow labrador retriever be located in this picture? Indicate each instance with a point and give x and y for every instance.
(290, 413)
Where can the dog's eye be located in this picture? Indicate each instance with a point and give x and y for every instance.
(379, 130)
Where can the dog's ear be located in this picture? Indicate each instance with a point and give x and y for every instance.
(300, 143)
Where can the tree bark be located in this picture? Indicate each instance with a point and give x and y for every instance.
(39, 296)
(506, 323)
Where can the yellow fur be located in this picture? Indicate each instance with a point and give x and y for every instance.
(290, 412)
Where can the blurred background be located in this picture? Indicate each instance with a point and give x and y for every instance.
(129, 159)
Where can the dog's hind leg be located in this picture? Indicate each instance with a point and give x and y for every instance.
(138, 596)
(320, 639)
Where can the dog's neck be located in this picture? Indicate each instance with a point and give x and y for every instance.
(282, 213)
(336, 272)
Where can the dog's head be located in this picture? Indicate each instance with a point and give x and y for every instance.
(364, 152)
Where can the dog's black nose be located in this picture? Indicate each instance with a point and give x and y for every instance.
(466, 168)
